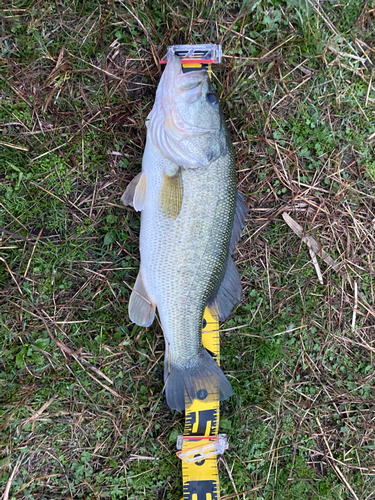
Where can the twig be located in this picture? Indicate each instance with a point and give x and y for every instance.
(10, 480)
(11, 274)
(13, 146)
(315, 246)
(318, 249)
(37, 414)
(229, 474)
(315, 262)
(355, 308)
(14, 411)
(268, 278)
(242, 494)
(32, 253)
(67, 350)
(35, 479)
(152, 47)
(345, 54)
(334, 466)
(15, 235)
(13, 217)
(369, 87)
(327, 21)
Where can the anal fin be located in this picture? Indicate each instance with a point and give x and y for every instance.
(141, 309)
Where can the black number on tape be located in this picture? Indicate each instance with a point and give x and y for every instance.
(207, 421)
(200, 490)
(202, 394)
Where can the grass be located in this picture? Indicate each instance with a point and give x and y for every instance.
(83, 414)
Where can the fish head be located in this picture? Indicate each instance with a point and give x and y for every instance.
(186, 122)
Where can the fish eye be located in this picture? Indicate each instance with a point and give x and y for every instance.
(211, 98)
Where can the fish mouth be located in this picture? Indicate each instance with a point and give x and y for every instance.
(187, 88)
(183, 82)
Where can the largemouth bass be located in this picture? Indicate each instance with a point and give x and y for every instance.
(192, 217)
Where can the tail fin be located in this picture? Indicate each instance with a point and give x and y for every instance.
(197, 380)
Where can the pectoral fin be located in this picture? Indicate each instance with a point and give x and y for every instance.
(127, 197)
(135, 193)
(171, 193)
(141, 309)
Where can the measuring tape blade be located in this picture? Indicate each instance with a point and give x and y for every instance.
(201, 478)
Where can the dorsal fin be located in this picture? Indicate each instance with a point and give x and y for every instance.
(229, 293)
(239, 221)
(230, 290)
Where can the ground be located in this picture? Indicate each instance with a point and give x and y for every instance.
(83, 413)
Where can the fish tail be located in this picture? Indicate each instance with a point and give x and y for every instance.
(195, 380)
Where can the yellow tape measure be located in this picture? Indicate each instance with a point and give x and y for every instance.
(201, 478)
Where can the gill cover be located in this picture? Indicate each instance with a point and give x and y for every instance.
(186, 123)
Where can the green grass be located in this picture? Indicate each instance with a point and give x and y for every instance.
(77, 80)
